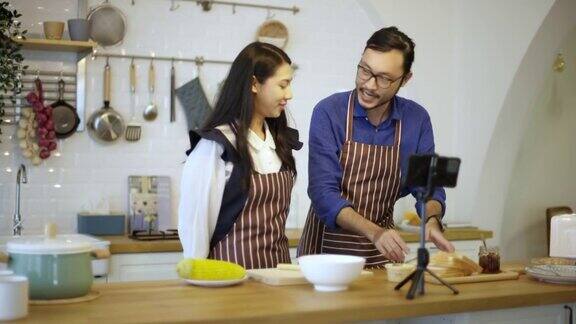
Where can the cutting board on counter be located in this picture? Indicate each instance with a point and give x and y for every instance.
(277, 277)
(284, 276)
(504, 275)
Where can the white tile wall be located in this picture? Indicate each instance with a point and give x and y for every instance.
(326, 40)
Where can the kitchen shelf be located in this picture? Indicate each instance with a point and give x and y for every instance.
(81, 49)
(39, 44)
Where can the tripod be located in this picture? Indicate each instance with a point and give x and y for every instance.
(418, 275)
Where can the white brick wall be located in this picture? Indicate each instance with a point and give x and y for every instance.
(326, 40)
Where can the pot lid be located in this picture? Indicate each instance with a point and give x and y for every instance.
(50, 243)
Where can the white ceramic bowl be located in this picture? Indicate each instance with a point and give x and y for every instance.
(331, 272)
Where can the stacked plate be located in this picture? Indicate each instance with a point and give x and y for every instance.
(560, 274)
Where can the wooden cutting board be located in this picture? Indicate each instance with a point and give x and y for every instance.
(277, 277)
(283, 277)
(504, 275)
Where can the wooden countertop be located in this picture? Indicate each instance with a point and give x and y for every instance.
(123, 244)
(367, 299)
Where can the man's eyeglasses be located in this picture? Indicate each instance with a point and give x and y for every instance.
(365, 74)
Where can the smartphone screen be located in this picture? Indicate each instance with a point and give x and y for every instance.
(445, 171)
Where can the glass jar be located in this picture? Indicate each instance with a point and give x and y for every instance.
(489, 259)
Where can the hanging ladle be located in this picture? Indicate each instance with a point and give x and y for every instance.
(151, 111)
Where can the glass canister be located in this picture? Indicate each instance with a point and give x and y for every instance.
(489, 259)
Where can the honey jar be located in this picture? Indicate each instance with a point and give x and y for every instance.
(489, 259)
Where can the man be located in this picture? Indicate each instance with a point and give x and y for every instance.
(360, 143)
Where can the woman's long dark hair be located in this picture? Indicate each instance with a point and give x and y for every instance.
(236, 102)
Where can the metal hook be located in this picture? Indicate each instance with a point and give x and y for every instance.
(172, 61)
(199, 60)
(269, 14)
(234, 9)
(173, 5)
(206, 4)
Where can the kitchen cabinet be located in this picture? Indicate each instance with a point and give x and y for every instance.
(293, 254)
(162, 266)
(549, 314)
(147, 266)
(143, 266)
(102, 279)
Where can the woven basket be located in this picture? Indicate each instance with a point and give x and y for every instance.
(273, 32)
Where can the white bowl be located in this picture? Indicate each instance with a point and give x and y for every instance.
(331, 272)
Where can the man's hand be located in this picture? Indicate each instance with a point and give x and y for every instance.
(390, 244)
(434, 235)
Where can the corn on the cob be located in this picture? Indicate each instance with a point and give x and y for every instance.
(206, 269)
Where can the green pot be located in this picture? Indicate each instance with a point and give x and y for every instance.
(56, 276)
(56, 268)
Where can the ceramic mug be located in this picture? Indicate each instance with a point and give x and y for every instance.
(79, 29)
(53, 29)
(13, 297)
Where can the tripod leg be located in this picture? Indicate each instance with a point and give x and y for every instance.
(454, 290)
(415, 283)
(403, 282)
(421, 284)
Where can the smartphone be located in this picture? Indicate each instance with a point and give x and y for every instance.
(443, 171)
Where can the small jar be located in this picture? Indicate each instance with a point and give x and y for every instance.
(489, 259)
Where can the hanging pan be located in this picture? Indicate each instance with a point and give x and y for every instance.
(64, 115)
(106, 124)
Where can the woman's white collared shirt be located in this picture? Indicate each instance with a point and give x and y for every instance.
(204, 177)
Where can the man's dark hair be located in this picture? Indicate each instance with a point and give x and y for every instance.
(390, 38)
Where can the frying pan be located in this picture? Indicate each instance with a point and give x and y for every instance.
(107, 24)
(64, 115)
(106, 125)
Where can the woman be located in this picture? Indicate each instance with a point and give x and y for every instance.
(237, 180)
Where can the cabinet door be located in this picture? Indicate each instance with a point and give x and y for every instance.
(570, 313)
(103, 279)
(551, 314)
(293, 255)
(143, 267)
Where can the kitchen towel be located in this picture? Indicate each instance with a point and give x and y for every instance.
(194, 102)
